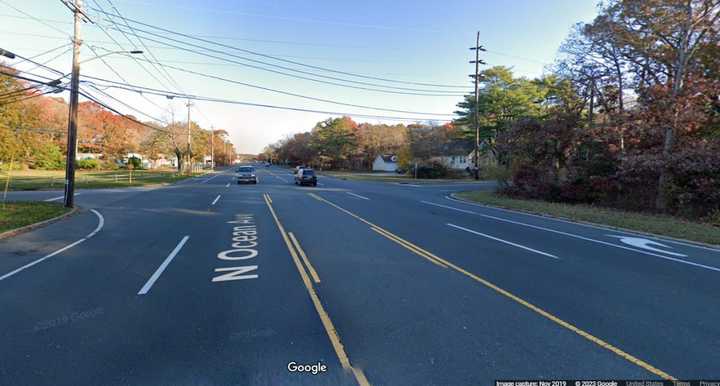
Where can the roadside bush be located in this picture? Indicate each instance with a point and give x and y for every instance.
(135, 163)
(431, 170)
(47, 156)
(499, 173)
(87, 164)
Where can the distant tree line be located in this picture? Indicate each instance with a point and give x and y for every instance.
(341, 143)
(33, 133)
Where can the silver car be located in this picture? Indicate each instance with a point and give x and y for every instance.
(246, 174)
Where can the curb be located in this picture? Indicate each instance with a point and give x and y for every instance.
(27, 228)
(594, 224)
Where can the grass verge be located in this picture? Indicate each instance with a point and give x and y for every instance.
(647, 223)
(55, 179)
(16, 215)
(398, 178)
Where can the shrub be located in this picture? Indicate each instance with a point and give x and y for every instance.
(87, 164)
(499, 173)
(135, 163)
(48, 156)
(431, 170)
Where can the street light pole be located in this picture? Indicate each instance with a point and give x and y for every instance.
(73, 113)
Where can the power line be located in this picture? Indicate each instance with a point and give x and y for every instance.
(126, 105)
(289, 61)
(165, 72)
(170, 94)
(296, 95)
(162, 84)
(35, 18)
(49, 60)
(96, 100)
(426, 92)
(42, 53)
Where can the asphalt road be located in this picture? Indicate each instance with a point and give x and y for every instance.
(206, 282)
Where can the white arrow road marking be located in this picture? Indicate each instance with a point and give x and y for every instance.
(644, 252)
(646, 244)
(504, 241)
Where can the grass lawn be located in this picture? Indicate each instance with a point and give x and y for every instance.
(656, 224)
(18, 214)
(54, 179)
(386, 177)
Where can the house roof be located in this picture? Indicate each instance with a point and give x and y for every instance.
(388, 157)
(457, 147)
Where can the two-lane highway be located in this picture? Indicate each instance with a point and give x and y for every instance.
(209, 282)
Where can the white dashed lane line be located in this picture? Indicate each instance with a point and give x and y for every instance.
(146, 288)
(357, 195)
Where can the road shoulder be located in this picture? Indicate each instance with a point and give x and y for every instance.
(661, 227)
(48, 216)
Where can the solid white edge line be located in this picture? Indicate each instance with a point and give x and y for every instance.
(217, 175)
(148, 285)
(593, 226)
(101, 223)
(357, 195)
(708, 267)
(503, 241)
(58, 198)
(216, 200)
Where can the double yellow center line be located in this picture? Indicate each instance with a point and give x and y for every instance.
(324, 317)
(446, 264)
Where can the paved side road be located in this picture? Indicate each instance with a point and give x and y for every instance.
(209, 282)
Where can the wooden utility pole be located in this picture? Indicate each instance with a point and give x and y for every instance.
(73, 114)
(476, 77)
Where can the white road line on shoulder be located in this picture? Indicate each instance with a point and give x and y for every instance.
(708, 267)
(357, 195)
(216, 200)
(412, 185)
(58, 198)
(101, 223)
(217, 175)
(162, 267)
(503, 241)
(593, 226)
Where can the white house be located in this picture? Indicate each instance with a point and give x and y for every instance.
(83, 156)
(385, 163)
(162, 161)
(460, 155)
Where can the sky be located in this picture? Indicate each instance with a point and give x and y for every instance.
(423, 41)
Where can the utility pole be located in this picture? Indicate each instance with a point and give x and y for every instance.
(212, 148)
(73, 114)
(189, 138)
(476, 76)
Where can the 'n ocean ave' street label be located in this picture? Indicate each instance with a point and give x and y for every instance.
(242, 252)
